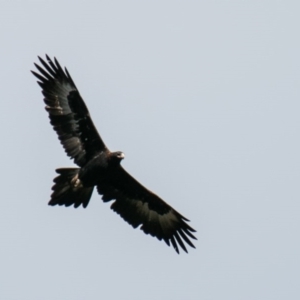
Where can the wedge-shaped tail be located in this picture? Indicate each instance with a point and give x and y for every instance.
(68, 190)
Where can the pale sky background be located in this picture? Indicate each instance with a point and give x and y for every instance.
(204, 99)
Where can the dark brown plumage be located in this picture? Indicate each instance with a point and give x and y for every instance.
(99, 167)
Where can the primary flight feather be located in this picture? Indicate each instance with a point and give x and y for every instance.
(98, 167)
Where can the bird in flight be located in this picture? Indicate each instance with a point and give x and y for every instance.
(99, 167)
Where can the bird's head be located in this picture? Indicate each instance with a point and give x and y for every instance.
(117, 156)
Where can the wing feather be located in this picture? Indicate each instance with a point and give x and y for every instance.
(140, 207)
(68, 113)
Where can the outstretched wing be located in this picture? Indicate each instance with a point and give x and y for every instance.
(68, 113)
(139, 206)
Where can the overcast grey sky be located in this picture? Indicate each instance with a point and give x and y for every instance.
(203, 97)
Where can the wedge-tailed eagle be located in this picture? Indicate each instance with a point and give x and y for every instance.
(100, 168)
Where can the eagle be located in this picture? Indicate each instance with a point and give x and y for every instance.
(98, 166)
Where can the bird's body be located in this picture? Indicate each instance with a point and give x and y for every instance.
(100, 168)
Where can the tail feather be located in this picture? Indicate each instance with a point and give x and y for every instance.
(68, 190)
